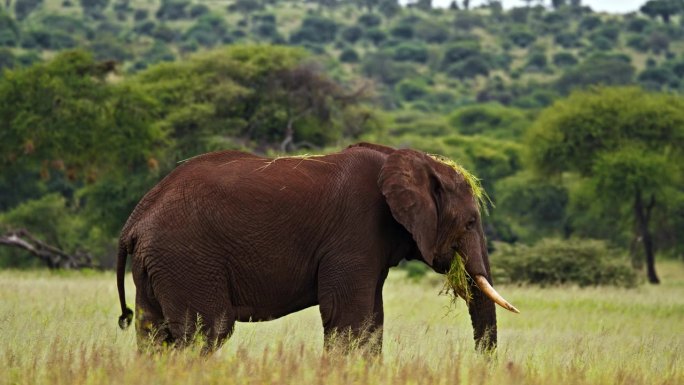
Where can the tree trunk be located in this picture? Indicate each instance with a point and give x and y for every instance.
(643, 217)
(53, 257)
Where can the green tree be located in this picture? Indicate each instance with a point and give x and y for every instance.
(63, 114)
(663, 8)
(597, 70)
(625, 143)
(91, 7)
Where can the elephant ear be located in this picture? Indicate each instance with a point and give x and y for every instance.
(406, 182)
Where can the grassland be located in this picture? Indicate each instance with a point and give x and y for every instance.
(60, 328)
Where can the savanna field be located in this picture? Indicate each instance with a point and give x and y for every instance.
(61, 328)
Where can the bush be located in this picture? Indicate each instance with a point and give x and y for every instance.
(7, 59)
(375, 35)
(492, 120)
(370, 20)
(458, 52)
(564, 59)
(140, 14)
(315, 30)
(469, 68)
(349, 55)
(411, 90)
(567, 40)
(537, 61)
(352, 34)
(173, 10)
(384, 69)
(522, 37)
(22, 8)
(658, 77)
(638, 43)
(411, 52)
(557, 262)
(402, 31)
(590, 23)
(431, 32)
(198, 10)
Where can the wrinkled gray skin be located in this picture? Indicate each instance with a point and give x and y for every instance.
(230, 236)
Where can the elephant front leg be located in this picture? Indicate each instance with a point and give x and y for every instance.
(351, 310)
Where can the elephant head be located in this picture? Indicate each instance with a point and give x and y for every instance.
(440, 207)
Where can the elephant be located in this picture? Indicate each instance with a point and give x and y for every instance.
(231, 236)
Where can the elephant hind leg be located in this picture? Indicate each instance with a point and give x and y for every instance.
(151, 329)
(196, 309)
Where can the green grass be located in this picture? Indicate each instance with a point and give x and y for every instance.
(61, 328)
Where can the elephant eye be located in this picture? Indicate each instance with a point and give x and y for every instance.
(470, 224)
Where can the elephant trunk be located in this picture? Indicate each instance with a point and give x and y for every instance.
(481, 306)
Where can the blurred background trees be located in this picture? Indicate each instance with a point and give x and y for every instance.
(569, 116)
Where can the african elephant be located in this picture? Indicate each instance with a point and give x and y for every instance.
(230, 236)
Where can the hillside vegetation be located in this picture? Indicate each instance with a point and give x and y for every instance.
(574, 120)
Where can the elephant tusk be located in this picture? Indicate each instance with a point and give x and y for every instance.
(489, 291)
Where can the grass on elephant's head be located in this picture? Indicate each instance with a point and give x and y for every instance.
(479, 192)
(62, 329)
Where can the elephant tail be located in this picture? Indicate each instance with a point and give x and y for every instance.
(126, 313)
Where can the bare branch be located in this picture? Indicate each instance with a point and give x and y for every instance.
(52, 256)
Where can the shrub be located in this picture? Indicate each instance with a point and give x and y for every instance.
(537, 61)
(349, 55)
(382, 67)
(468, 20)
(173, 10)
(489, 119)
(522, 37)
(22, 8)
(375, 35)
(411, 52)
(198, 10)
(564, 59)
(460, 51)
(567, 40)
(369, 20)
(140, 14)
(7, 59)
(431, 32)
(402, 31)
(638, 43)
(352, 34)
(411, 90)
(589, 23)
(315, 30)
(555, 262)
(638, 25)
(469, 68)
(658, 77)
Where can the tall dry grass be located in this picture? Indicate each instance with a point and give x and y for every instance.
(61, 328)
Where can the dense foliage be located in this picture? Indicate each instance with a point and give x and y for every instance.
(571, 118)
(553, 261)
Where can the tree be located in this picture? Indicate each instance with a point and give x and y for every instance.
(663, 8)
(602, 69)
(369, 4)
(625, 144)
(64, 115)
(558, 3)
(93, 7)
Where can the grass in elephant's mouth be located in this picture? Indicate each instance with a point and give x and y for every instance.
(456, 282)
